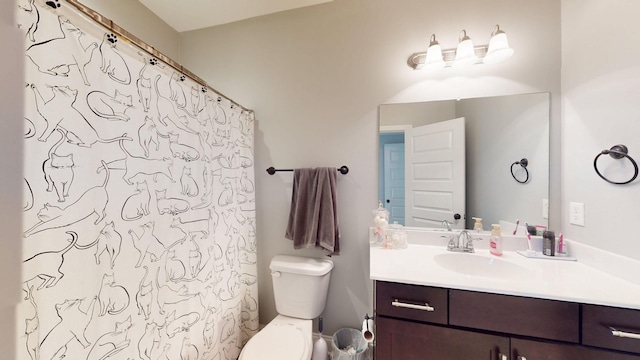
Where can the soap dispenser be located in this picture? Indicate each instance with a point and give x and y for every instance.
(477, 226)
(495, 241)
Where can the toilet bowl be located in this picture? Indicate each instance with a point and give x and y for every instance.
(284, 338)
(300, 291)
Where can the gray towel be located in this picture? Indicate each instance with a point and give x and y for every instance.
(313, 220)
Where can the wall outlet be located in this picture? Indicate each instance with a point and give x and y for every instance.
(576, 213)
(545, 208)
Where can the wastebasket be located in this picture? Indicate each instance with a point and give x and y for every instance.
(348, 344)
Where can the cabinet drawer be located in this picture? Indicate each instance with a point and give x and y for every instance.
(546, 319)
(523, 349)
(596, 324)
(412, 302)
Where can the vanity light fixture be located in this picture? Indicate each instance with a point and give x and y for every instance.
(465, 54)
(498, 49)
(433, 59)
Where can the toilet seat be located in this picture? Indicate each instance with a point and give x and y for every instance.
(277, 341)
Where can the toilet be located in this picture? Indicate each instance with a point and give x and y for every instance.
(300, 287)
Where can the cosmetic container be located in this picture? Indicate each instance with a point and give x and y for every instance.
(549, 243)
(398, 236)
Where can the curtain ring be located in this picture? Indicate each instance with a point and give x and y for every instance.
(617, 152)
(523, 163)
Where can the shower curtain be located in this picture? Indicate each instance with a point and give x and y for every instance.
(139, 216)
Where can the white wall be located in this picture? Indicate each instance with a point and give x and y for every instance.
(600, 108)
(316, 76)
(11, 135)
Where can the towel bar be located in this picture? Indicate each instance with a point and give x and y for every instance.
(342, 169)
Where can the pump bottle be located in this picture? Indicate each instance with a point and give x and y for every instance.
(495, 241)
(477, 226)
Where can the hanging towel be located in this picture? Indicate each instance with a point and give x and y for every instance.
(313, 220)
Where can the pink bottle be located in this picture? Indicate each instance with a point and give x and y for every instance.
(496, 240)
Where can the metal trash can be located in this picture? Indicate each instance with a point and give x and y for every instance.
(348, 344)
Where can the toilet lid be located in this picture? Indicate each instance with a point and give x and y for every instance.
(277, 341)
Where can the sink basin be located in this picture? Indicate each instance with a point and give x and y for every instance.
(481, 266)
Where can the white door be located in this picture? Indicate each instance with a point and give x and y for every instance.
(435, 172)
(394, 182)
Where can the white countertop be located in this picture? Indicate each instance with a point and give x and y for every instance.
(575, 281)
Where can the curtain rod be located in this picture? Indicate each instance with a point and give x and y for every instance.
(342, 169)
(107, 23)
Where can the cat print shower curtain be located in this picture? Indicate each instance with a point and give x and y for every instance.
(139, 217)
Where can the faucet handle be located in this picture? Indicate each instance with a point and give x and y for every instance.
(467, 245)
(451, 244)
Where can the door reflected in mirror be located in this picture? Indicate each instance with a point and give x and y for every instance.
(498, 132)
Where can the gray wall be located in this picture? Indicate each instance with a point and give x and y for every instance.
(316, 76)
(600, 108)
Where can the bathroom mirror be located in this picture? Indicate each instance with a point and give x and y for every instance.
(499, 133)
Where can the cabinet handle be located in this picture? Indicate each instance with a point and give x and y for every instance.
(425, 307)
(502, 356)
(624, 334)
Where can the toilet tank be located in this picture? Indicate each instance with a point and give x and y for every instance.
(300, 285)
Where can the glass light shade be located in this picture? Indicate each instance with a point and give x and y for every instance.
(433, 59)
(498, 50)
(465, 54)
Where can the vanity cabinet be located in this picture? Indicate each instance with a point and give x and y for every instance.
(422, 322)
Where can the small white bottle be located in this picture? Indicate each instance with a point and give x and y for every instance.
(495, 241)
(477, 226)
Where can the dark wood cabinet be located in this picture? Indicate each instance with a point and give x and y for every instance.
(413, 302)
(545, 319)
(405, 340)
(611, 328)
(421, 322)
(522, 349)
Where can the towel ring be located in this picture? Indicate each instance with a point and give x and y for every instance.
(617, 152)
(523, 163)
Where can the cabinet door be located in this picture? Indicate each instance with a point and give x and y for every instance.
(516, 315)
(599, 321)
(405, 340)
(537, 350)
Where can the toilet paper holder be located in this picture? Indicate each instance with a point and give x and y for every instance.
(367, 328)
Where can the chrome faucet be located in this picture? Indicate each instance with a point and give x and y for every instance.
(467, 242)
(447, 224)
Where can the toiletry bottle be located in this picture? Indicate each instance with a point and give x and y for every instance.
(496, 240)
(562, 246)
(549, 243)
(477, 226)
